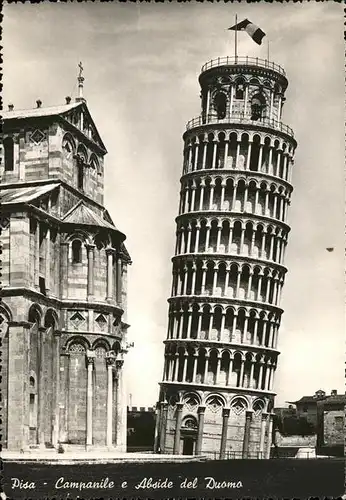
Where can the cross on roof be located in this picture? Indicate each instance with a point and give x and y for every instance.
(80, 66)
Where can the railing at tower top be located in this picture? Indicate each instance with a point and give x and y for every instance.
(239, 119)
(243, 61)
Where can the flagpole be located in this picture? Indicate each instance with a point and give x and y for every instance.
(235, 40)
(268, 50)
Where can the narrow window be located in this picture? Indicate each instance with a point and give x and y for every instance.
(9, 156)
(220, 103)
(239, 91)
(76, 252)
(80, 175)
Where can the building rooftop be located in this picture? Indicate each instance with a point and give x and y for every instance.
(39, 111)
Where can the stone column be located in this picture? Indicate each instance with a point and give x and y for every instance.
(214, 280)
(222, 327)
(119, 280)
(256, 200)
(210, 323)
(223, 187)
(90, 252)
(270, 430)
(188, 246)
(251, 374)
(193, 282)
(226, 281)
(226, 154)
(241, 377)
(270, 164)
(201, 412)
(37, 254)
(230, 239)
(247, 431)
(237, 154)
(245, 197)
(202, 186)
(184, 367)
(110, 252)
(196, 156)
(207, 237)
(247, 165)
(234, 197)
(64, 269)
(214, 155)
(193, 198)
(217, 372)
(225, 418)
(197, 237)
(218, 240)
(206, 368)
(262, 436)
(230, 371)
(259, 286)
(248, 294)
(47, 260)
(275, 204)
(268, 284)
(157, 426)
(234, 324)
(194, 371)
(199, 323)
(56, 361)
(212, 185)
(164, 410)
(241, 245)
(179, 412)
(176, 367)
(110, 360)
(204, 277)
(259, 166)
(266, 199)
(204, 155)
(40, 387)
(90, 356)
(246, 321)
(238, 283)
(271, 246)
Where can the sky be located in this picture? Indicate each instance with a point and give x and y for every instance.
(142, 63)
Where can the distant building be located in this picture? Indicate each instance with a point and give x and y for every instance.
(140, 428)
(307, 405)
(316, 421)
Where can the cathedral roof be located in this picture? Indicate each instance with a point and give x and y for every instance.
(65, 111)
(36, 112)
(81, 214)
(25, 194)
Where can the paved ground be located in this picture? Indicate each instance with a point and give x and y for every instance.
(92, 456)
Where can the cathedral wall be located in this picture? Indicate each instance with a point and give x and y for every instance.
(77, 392)
(33, 153)
(19, 255)
(77, 277)
(100, 273)
(5, 257)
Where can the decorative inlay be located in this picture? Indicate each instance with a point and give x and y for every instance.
(101, 322)
(238, 406)
(37, 136)
(77, 319)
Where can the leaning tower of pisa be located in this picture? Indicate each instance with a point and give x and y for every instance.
(216, 397)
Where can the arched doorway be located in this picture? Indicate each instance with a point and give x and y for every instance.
(188, 433)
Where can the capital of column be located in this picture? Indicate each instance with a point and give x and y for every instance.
(110, 250)
(90, 246)
(180, 406)
(90, 356)
(226, 412)
(201, 409)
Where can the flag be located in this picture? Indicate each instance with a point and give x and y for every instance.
(251, 29)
